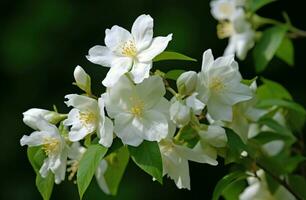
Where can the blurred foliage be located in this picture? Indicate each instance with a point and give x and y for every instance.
(42, 42)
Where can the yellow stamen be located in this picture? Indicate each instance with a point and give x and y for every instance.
(129, 49)
(137, 108)
(216, 85)
(51, 145)
(224, 29)
(87, 118)
(73, 169)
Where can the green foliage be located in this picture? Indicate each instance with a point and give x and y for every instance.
(267, 46)
(291, 105)
(298, 184)
(174, 74)
(168, 55)
(147, 156)
(36, 157)
(117, 162)
(88, 165)
(257, 4)
(286, 51)
(272, 90)
(232, 191)
(226, 181)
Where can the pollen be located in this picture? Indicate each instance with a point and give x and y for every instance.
(129, 49)
(87, 118)
(51, 145)
(224, 30)
(216, 85)
(72, 170)
(137, 108)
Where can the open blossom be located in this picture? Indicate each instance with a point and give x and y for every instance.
(135, 109)
(240, 33)
(175, 161)
(223, 9)
(53, 144)
(86, 117)
(219, 86)
(258, 190)
(129, 51)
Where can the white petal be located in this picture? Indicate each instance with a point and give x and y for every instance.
(126, 131)
(142, 31)
(35, 139)
(76, 151)
(78, 134)
(119, 67)
(106, 133)
(81, 102)
(214, 135)
(100, 55)
(31, 115)
(140, 71)
(196, 154)
(155, 126)
(102, 167)
(158, 45)
(179, 113)
(44, 169)
(82, 79)
(116, 36)
(151, 91)
(207, 59)
(60, 171)
(196, 105)
(219, 110)
(274, 147)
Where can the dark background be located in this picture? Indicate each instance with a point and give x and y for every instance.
(42, 42)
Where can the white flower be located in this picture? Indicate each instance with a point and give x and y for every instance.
(135, 109)
(194, 103)
(223, 9)
(258, 190)
(240, 33)
(129, 52)
(82, 79)
(187, 82)
(30, 116)
(219, 86)
(53, 144)
(211, 138)
(180, 114)
(175, 161)
(86, 117)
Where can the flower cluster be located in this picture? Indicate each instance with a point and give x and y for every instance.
(235, 25)
(140, 110)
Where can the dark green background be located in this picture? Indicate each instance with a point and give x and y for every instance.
(42, 42)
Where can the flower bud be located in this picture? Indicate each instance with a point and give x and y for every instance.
(180, 113)
(82, 79)
(186, 82)
(30, 117)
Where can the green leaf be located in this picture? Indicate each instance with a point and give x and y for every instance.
(265, 137)
(272, 90)
(298, 184)
(233, 191)
(257, 4)
(266, 103)
(296, 120)
(226, 181)
(88, 165)
(286, 51)
(271, 123)
(267, 46)
(293, 162)
(117, 162)
(168, 55)
(36, 157)
(45, 185)
(248, 82)
(174, 74)
(147, 156)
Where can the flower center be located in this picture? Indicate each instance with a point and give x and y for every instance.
(51, 145)
(87, 118)
(129, 49)
(137, 108)
(216, 85)
(225, 29)
(226, 8)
